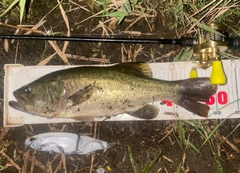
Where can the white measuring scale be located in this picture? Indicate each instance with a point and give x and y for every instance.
(224, 104)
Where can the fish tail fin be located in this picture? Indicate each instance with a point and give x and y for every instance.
(194, 91)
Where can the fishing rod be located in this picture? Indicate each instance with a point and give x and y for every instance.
(233, 43)
(206, 48)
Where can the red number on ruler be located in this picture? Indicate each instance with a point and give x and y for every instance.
(168, 103)
(222, 98)
(211, 101)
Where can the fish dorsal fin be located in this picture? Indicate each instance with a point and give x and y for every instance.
(140, 68)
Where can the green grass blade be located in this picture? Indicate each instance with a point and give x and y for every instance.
(206, 28)
(193, 146)
(185, 54)
(181, 133)
(151, 164)
(121, 19)
(135, 2)
(219, 166)
(116, 14)
(209, 29)
(128, 5)
(212, 132)
(132, 160)
(198, 127)
(178, 56)
(231, 132)
(22, 4)
(4, 2)
(178, 169)
(10, 7)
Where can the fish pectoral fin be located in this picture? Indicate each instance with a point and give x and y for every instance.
(146, 112)
(82, 95)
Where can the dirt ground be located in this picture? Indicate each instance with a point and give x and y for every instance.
(146, 138)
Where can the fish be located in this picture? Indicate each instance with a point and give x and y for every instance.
(66, 143)
(85, 93)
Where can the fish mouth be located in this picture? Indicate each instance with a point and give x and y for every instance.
(29, 141)
(16, 105)
(22, 102)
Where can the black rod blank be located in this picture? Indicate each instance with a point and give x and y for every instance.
(233, 43)
(182, 41)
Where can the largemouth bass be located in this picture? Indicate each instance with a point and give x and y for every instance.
(84, 93)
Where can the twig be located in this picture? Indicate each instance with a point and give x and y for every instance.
(78, 57)
(59, 52)
(81, 7)
(58, 167)
(231, 145)
(164, 56)
(25, 163)
(93, 156)
(166, 135)
(169, 160)
(63, 127)
(64, 162)
(50, 167)
(57, 155)
(4, 132)
(33, 161)
(10, 160)
(204, 16)
(46, 60)
(16, 52)
(202, 8)
(65, 18)
(19, 27)
(123, 160)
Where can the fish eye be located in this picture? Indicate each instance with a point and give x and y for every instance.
(32, 139)
(27, 89)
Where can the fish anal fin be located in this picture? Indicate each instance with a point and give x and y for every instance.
(81, 95)
(140, 68)
(146, 112)
(194, 107)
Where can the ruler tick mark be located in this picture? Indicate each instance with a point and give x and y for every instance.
(235, 74)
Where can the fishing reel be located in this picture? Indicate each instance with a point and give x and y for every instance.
(208, 51)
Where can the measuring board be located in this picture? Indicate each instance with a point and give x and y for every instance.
(224, 104)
